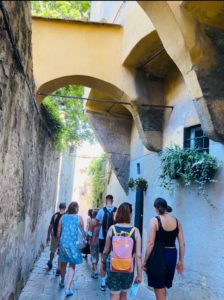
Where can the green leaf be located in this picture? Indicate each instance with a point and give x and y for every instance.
(75, 10)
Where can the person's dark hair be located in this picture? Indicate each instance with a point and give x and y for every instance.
(109, 197)
(94, 213)
(123, 213)
(161, 205)
(62, 205)
(73, 208)
(90, 212)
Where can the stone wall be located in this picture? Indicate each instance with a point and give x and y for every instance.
(28, 166)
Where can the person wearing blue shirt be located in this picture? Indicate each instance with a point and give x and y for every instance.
(105, 218)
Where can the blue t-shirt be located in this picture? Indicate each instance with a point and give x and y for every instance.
(99, 218)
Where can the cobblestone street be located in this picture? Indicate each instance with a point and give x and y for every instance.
(43, 285)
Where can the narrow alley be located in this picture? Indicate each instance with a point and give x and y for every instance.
(43, 284)
(111, 113)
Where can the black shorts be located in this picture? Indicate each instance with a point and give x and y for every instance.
(101, 245)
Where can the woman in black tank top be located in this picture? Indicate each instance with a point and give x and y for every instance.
(166, 239)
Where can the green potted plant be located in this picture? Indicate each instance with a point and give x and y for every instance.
(203, 171)
(139, 182)
(131, 183)
(188, 166)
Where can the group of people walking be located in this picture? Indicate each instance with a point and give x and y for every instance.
(117, 244)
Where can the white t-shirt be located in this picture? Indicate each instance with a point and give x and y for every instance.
(99, 218)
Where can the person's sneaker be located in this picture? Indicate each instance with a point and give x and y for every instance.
(68, 293)
(49, 264)
(94, 275)
(58, 273)
(61, 284)
(103, 287)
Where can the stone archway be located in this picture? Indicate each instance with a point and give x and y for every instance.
(110, 128)
(96, 63)
(195, 49)
(90, 54)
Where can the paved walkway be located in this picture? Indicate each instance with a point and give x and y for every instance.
(43, 285)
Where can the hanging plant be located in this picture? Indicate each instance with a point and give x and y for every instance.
(131, 183)
(139, 182)
(188, 166)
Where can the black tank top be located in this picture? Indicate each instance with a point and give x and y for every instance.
(168, 238)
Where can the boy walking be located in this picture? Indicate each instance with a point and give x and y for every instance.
(105, 218)
(52, 235)
(93, 234)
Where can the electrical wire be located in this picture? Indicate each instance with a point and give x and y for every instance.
(84, 98)
(93, 157)
(104, 100)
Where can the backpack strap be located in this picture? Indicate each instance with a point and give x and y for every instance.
(114, 230)
(131, 232)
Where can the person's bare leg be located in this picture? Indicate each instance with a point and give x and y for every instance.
(97, 261)
(123, 296)
(63, 271)
(94, 268)
(59, 264)
(103, 274)
(160, 294)
(103, 277)
(114, 296)
(70, 276)
(51, 256)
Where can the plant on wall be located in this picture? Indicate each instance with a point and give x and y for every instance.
(188, 166)
(98, 180)
(139, 182)
(131, 183)
(66, 120)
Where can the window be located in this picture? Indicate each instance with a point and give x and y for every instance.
(194, 138)
(138, 168)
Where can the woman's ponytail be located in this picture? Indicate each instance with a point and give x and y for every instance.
(161, 205)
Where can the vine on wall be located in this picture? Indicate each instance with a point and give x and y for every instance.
(98, 180)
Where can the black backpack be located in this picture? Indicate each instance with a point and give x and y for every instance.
(108, 220)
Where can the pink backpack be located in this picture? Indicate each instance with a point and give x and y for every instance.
(122, 251)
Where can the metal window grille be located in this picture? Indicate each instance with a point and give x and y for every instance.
(195, 139)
